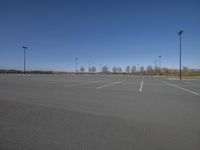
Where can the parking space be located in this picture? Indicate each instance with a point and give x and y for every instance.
(190, 86)
(131, 110)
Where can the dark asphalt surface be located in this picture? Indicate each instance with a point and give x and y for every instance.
(98, 112)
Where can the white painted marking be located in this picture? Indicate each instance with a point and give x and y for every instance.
(110, 84)
(187, 79)
(173, 79)
(141, 85)
(192, 83)
(173, 85)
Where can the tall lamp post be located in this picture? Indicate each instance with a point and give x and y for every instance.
(180, 33)
(76, 59)
(155, 66)
(24, 47)
(89, 66)
(160, 64)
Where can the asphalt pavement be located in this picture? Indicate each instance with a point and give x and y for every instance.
(99, 112)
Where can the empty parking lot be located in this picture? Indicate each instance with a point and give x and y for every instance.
(99, 112)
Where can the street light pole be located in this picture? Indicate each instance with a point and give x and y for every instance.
(89, 66)
(24, 47)
(180, 33)
(155, 66)
(160, 64)
(76, 59)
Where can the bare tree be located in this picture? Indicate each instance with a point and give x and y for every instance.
(149, 69)
(119, 70)
(82, 69)
(142, 69)
(133, 69)
(105, 69)
(93, 69)
(114, 69)
(156, 69)
(128, 68)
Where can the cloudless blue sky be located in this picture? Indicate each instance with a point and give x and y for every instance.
(107, 32)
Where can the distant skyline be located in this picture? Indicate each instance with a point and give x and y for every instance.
(106, 32)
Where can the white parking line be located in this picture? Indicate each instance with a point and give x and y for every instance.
(141, 86)
(173, 85)
(106, 85)
(191, 83)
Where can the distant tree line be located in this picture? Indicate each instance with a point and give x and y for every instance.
(12, 71)
(149, 70)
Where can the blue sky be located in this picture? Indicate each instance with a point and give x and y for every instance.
(107, 32)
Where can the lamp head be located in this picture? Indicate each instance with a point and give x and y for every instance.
(180, 32)
(25, 47)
